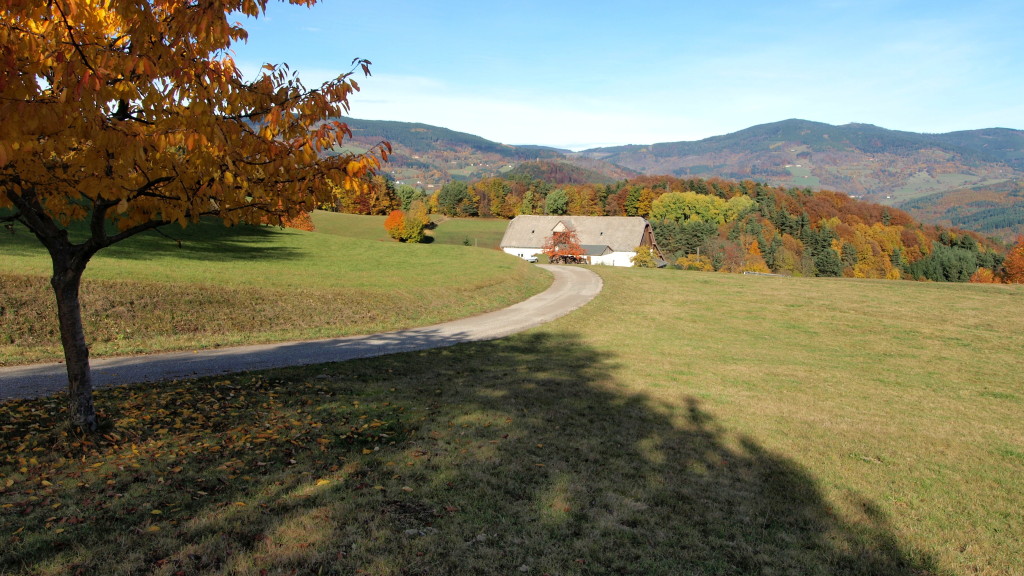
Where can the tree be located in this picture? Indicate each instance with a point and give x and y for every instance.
(754, 261)
(695, 262)
(528, 203)
(827, 263)
(408, 225)
(395, 224)
(557, 202)
(1013, 264)
(584, 200)
(376, 197)
(126, 116)
(563, 247)
(406, 194)
(984, 276)
(453, 198)
(644, 258)
(415, 223)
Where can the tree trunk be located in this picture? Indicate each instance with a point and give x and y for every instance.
(76, 352)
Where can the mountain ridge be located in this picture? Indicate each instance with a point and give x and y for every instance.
(890, 167)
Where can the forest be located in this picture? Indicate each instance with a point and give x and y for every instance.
(731, 226)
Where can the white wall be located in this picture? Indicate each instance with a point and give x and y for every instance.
(522, 252)
(614, 259)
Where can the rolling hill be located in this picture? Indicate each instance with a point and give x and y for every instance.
(995, 210)
(880, 165)
(428, 156)
(980, 169)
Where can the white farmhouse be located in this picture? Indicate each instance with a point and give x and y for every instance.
(608, 240)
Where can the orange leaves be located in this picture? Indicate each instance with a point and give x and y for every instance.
(1013, 265)
(394, 224)
(563, 247)
(174, 443)
(163, 63)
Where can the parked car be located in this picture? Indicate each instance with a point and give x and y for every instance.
(532, 258)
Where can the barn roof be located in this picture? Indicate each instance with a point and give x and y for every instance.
(620, 233)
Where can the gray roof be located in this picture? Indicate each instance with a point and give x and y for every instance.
(620, 233)
(596, 249)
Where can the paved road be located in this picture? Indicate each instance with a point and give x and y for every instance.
(572, 288)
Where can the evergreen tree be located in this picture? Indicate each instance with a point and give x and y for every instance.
(827, 263)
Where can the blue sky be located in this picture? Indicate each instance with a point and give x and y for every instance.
(584, 74)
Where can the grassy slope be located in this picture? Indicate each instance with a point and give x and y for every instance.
(478, 232)
(900, 402)
(351, 225)
(682, 423)
(232, 286)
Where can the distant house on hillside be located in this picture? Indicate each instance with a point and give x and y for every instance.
(608, 240)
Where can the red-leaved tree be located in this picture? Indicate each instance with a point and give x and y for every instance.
(563, 247)
(395, 224)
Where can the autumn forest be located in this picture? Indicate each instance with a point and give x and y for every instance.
(731, 226)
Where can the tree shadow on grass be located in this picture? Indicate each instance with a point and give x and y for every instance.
(206, 240)
(521, 455)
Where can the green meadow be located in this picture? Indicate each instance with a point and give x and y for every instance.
(475, 232)
(680, 423)
(207, 286)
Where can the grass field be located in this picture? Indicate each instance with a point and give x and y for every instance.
(254, 284)
(475, 232)
(923, 184)
(351, 225)
(802, 177)
(681, 423)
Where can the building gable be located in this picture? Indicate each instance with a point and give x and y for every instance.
(617, 233)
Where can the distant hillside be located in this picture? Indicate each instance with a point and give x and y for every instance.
(429, 156)
(865, 161)
(862, 160)
(995, 210)
(560, 172)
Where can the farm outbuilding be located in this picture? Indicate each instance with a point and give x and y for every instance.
(607, 240)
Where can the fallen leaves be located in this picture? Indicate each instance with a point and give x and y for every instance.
(170, 446)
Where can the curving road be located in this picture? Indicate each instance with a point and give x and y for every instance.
(572, 288)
